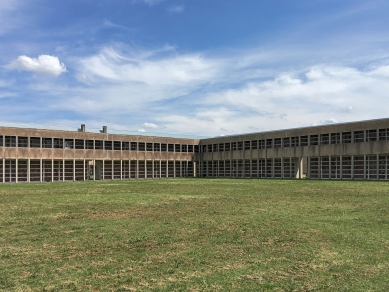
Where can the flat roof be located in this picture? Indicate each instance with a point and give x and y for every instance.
(95, 130)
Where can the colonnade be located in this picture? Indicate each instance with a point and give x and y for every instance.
(49, 170)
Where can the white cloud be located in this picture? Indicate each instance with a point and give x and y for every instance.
(141, 130)
(201, 95)
(328, 121)
(149, 125)
(176, 9)
(151, 2)
(44, 64)
(145, 67)
(7, 94)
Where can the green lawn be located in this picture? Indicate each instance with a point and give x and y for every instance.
(195, 235)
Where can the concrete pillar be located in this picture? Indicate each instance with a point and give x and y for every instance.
(174, 167)
(94, 166)
(28, 170)
(364, 166)
(251, 167)
(16, 169)
(272, 167)
(282, 168)
(3, 168)
(167, 168)
(329, 166)
(63, 169)
(103, 176)
(83, 167)
(298, 166)
(194, 169)
(352, 165)
(52, 164)
(121, 165)
(308, 167)
(137, 170)
(181, 168)
(74, 169)
(320, 168)
(377, 164)
(341, 163)
(40, 168)
(112, 168)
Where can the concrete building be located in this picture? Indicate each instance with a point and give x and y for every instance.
(358, 150)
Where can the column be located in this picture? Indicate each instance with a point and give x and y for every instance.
(94, 167)
(352, 165)
(83, 168)
(341, 164)
(272, 167)
(174, 168)
(103, 176)
(74, 169)
(3, 169)
(52, 164)
(137, 170)
(112, 168)
(40, 169)
(282, 168)
(329, 167)
(377, 164)
(152, 166)
(16, 170)
(308, 167)
(251, 167)
(181, 168)
(28, 169)
(63, 169)
(160, 168)
(364, 166)
(320, 166)
(121, 166)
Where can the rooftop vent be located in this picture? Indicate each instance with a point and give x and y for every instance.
(105, 129)
(82, 127)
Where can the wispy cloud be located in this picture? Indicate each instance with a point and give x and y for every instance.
(44, 64)
(145, 67)
(175, 9)
(150, 2)
(8, 15)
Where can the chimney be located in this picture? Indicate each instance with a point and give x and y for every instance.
(105, 131)
(82, 127)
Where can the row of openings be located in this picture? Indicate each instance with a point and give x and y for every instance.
(68, 170)
(323, 139)
(59, 143)
(261, 168)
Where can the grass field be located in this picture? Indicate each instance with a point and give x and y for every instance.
(195, 235)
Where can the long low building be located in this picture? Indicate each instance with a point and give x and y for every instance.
(357, 150)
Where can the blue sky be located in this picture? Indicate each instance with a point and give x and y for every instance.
(196, 67)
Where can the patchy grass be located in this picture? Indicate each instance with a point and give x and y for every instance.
(195, 235)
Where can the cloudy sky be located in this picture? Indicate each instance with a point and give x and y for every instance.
(197, 67)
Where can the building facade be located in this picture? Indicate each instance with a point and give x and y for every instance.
(358, 150)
